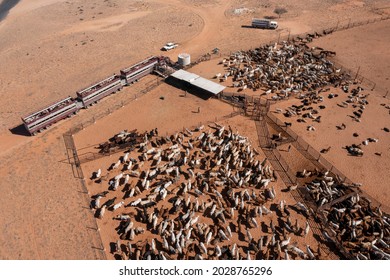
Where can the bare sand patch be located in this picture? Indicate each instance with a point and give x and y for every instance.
(112, 23)
(365, 47)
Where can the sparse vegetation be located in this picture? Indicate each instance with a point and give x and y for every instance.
(280, 11)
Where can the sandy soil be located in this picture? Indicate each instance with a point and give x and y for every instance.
(370, 51)
(51, 48)
(43, 215)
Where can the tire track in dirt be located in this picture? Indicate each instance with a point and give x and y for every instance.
(213, 20)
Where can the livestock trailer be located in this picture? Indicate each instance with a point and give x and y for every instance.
(49, 115)
(139, 70)
(100, 90)
(264, 23)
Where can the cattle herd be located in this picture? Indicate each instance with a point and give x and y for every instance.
(198, 194)
(290, 67)
(206, 193)
(361, 228)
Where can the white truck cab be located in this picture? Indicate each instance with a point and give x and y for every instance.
(273, 25)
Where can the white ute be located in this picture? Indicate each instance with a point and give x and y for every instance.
(170, 46)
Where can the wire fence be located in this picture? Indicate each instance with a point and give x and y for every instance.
(90, 222)
(309, 152)
(91, 156)
(288, 177)
(365, 82)
(321, 163)
(348, 23)
(96, 241)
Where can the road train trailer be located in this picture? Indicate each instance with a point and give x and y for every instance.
(99, 90)
(139, 70)
(51, 114)
(36, 122)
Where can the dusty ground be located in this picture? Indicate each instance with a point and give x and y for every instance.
(51, 48)
(370, 52)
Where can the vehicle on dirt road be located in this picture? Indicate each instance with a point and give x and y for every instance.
(264, 23)
(170, 46)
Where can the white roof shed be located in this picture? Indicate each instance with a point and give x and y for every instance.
(198, 81)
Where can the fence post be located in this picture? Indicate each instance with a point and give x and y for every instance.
(357, 73)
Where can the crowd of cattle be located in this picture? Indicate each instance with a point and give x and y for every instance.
(290, 67)
(361, 228)
(200, 194)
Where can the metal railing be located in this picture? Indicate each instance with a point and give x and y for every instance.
(309, 152)
(288, 177)
(93, 229)
(91, 156)
(320, 162)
